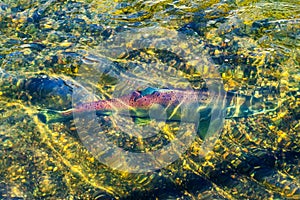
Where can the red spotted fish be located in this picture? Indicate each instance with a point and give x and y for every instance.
(177, 104)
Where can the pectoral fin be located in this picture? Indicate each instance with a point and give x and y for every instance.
(203, 128)
(141, 121)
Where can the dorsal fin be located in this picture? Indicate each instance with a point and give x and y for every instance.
(148, 90)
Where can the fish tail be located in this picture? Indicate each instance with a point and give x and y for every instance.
(52, 116)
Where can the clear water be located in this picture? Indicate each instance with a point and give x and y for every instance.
(111, 48)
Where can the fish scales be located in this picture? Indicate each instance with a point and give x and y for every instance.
(164, 97)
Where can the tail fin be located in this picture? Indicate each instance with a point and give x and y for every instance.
(52, 116)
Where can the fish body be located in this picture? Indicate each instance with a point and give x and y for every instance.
(178, 105)
(138, 99)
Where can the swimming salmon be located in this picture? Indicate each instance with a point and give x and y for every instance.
(177, 104)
